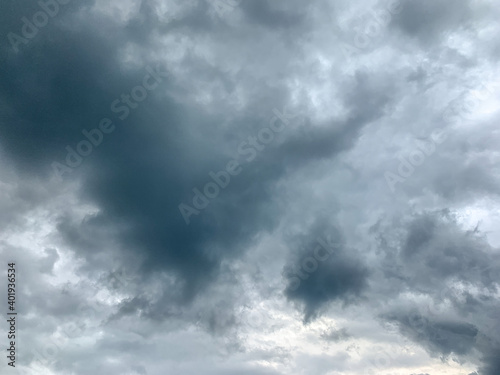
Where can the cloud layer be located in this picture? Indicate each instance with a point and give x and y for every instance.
(257, 187)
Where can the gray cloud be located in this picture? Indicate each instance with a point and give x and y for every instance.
(125, 286)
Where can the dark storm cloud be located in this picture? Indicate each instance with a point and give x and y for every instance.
(339, 279)
(146, 284)
(433, 249)
(492, 362)
(151, 162)
(74, 86)
(52, 91)
(324, 270)
(431, 255)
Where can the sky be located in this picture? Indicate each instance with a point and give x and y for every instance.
(251, 187)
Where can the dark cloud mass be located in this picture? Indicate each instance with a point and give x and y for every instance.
(251, 186)
(325, 271)
(441, 337)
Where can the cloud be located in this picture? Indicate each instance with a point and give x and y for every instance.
(336, 335)
(308, 241)
(442, 337)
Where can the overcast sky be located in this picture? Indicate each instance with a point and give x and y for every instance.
(251, 187)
